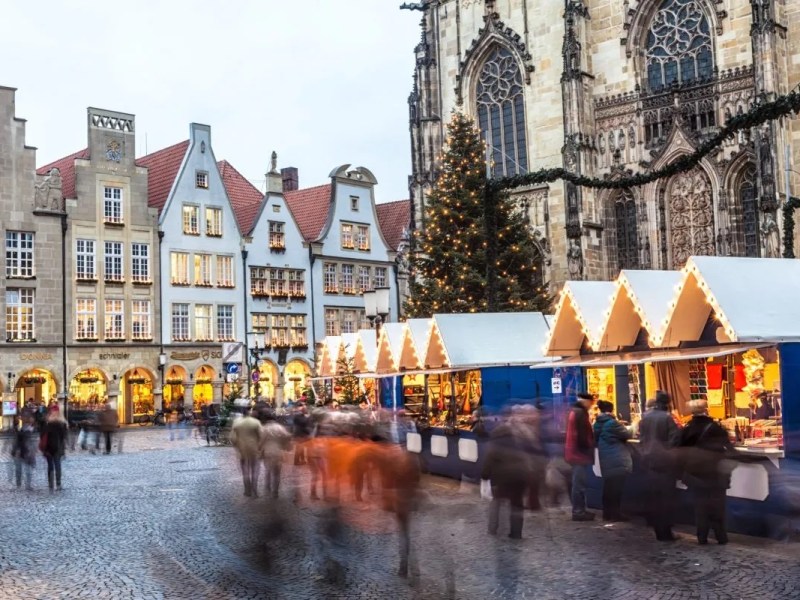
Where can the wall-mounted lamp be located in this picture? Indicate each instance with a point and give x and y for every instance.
(162, 360)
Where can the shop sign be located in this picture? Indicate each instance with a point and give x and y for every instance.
(555, 385)
(114, 356)
(194, 355)
(9, 404)
(36, 356)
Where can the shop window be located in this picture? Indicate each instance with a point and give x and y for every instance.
(140, 391)
(601, 383)
(88, 390)
(453, 398)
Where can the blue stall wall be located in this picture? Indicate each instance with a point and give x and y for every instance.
(790, 398)
(505, 386)
(385, 388)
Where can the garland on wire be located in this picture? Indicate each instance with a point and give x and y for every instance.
(788, 226)
(761, 113)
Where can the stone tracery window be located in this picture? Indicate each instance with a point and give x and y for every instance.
(678, 45)
(691, 216)
(626, 224)
(501, 112)
(749, 208)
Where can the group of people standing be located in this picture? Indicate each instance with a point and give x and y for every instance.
(51, 441)
(698, 454)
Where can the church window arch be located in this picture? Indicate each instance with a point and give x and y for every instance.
(500, 104)
(748, 204)
(627, 229)
(678, 48)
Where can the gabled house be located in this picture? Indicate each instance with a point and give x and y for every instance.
(279, 306)
(203, 278)
(111, 271)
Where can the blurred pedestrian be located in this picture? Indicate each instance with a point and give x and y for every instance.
(109, 423)
(507, 467)
(525, 424)
(706, 471)
(579, 452)
(658, 435)
(275, 440)
(52, 443)
(23, 451)
(616, 462)
(245, 437)
(301, 430)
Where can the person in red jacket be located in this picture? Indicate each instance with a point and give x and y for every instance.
(579, 452)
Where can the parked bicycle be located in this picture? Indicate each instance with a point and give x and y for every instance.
(217, 433)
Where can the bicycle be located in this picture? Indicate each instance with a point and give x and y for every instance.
(217, 433)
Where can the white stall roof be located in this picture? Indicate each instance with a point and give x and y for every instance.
(755, 299)
(390, 345)
(582, 312)
(474, 340)
(331, 346)
(349, 341)
(366, 351)
(420, 329)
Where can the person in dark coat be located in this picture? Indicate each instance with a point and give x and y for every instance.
(109, 423)
(23, 450)
(659, 434)
(579, 452)
(53, 445)
(616, 462)
(507, 467)
(301, 431)
(704, 444)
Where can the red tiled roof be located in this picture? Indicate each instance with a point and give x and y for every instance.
(310, 209)
(66, 166)
(162, 169)
(244, 196)
(393, 218)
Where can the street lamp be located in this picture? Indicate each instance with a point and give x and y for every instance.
(376, 307)
(257, 343)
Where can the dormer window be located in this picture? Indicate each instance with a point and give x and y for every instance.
(201, 180)
(354, 203)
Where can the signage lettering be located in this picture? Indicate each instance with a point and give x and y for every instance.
(35, 356)
(205, 354)
(114, 356)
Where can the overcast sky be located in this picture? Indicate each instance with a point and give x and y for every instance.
(322, 82)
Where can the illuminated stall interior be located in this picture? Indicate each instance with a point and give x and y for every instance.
(137, 395)
(37, 385)
(88, 390)
(174, 387)
(203, 392)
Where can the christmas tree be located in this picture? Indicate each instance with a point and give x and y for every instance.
(474, 252)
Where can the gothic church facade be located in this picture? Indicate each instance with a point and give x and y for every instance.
(608, 88)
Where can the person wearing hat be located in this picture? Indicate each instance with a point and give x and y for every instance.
(659, 434)
(579, 452)
(705, 444)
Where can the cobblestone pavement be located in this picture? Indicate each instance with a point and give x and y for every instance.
(167, 519)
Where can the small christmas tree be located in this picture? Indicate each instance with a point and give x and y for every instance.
(474, 252)
(346, 383)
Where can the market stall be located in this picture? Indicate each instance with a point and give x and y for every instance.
(698, 335)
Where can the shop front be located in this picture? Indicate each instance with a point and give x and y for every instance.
(174, 390)
(203, 390)
(296, 374)
(88, 390)
(137, 402)
(37, 386)
(192, 378)
(705, 342)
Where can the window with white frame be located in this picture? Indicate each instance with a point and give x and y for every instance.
(277, 282)
(113, 262)
(141, 328)
(364, 281)
(19, 254)
(191, 219)
(225, 271)
(225, 322)
(297, 287)
(349, 321)
(202, 323)
(330, 282)
(260, 322)
(277, 236)
(85, 262)
(140, 263)
(279, 331)
(380, 277)
(331, 321)
(362, 237)
(114, 320)
(179, 268)
(259, 281)
(346, 279)
(180, 322)
(86, 319)
(297, 326)
(201, 180)
(348, 242)
(202, 270)
(112, 205)
(19, 314)
(213, 222)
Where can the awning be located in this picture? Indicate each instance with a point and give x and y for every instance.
(654, 355)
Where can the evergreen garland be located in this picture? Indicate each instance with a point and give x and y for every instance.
(788, 226)
(760, 113)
